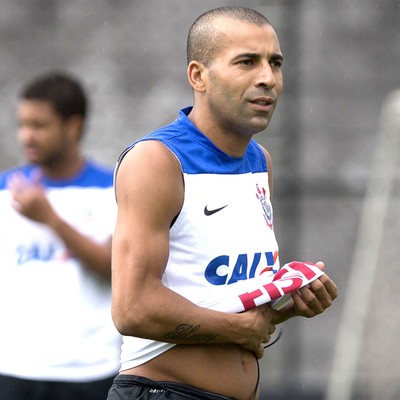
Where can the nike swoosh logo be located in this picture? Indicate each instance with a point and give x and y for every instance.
(215, 210)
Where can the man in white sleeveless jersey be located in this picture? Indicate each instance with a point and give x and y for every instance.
(195, 226)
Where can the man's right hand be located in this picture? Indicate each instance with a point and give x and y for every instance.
(258, 328)
(29, 198)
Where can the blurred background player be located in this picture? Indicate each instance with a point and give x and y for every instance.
(57, 214)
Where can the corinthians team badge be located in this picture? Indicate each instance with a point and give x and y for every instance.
(266, 206)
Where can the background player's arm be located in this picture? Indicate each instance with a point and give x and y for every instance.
(30, 200)
(93, 255)
(149, 186)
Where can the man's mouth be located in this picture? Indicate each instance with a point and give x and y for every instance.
(264, 101)
(264, 104)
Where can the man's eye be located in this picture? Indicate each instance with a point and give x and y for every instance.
(276, 64)
(38, 125)
(247, 62)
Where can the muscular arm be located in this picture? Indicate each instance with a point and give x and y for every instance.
(30, 200)
(150, 192)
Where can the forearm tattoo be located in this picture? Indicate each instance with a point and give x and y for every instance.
(188, 333)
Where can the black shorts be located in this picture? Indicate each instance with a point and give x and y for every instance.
(130, 387)
(12, 388)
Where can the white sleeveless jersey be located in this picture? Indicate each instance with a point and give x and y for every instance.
(223, 237)
(55, 315)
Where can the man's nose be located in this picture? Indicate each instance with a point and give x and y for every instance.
(266, 76)
(26, 132)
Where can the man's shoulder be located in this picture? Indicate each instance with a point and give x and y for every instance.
(99, 168)
(167, 132)
(96, 174)
(175, 129)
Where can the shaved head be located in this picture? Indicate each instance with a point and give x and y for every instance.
(202, 41)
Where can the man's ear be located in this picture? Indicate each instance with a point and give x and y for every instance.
(74, 126)
(197, 75)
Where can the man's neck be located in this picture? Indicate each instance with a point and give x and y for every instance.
(231, 143)
(63, 170)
